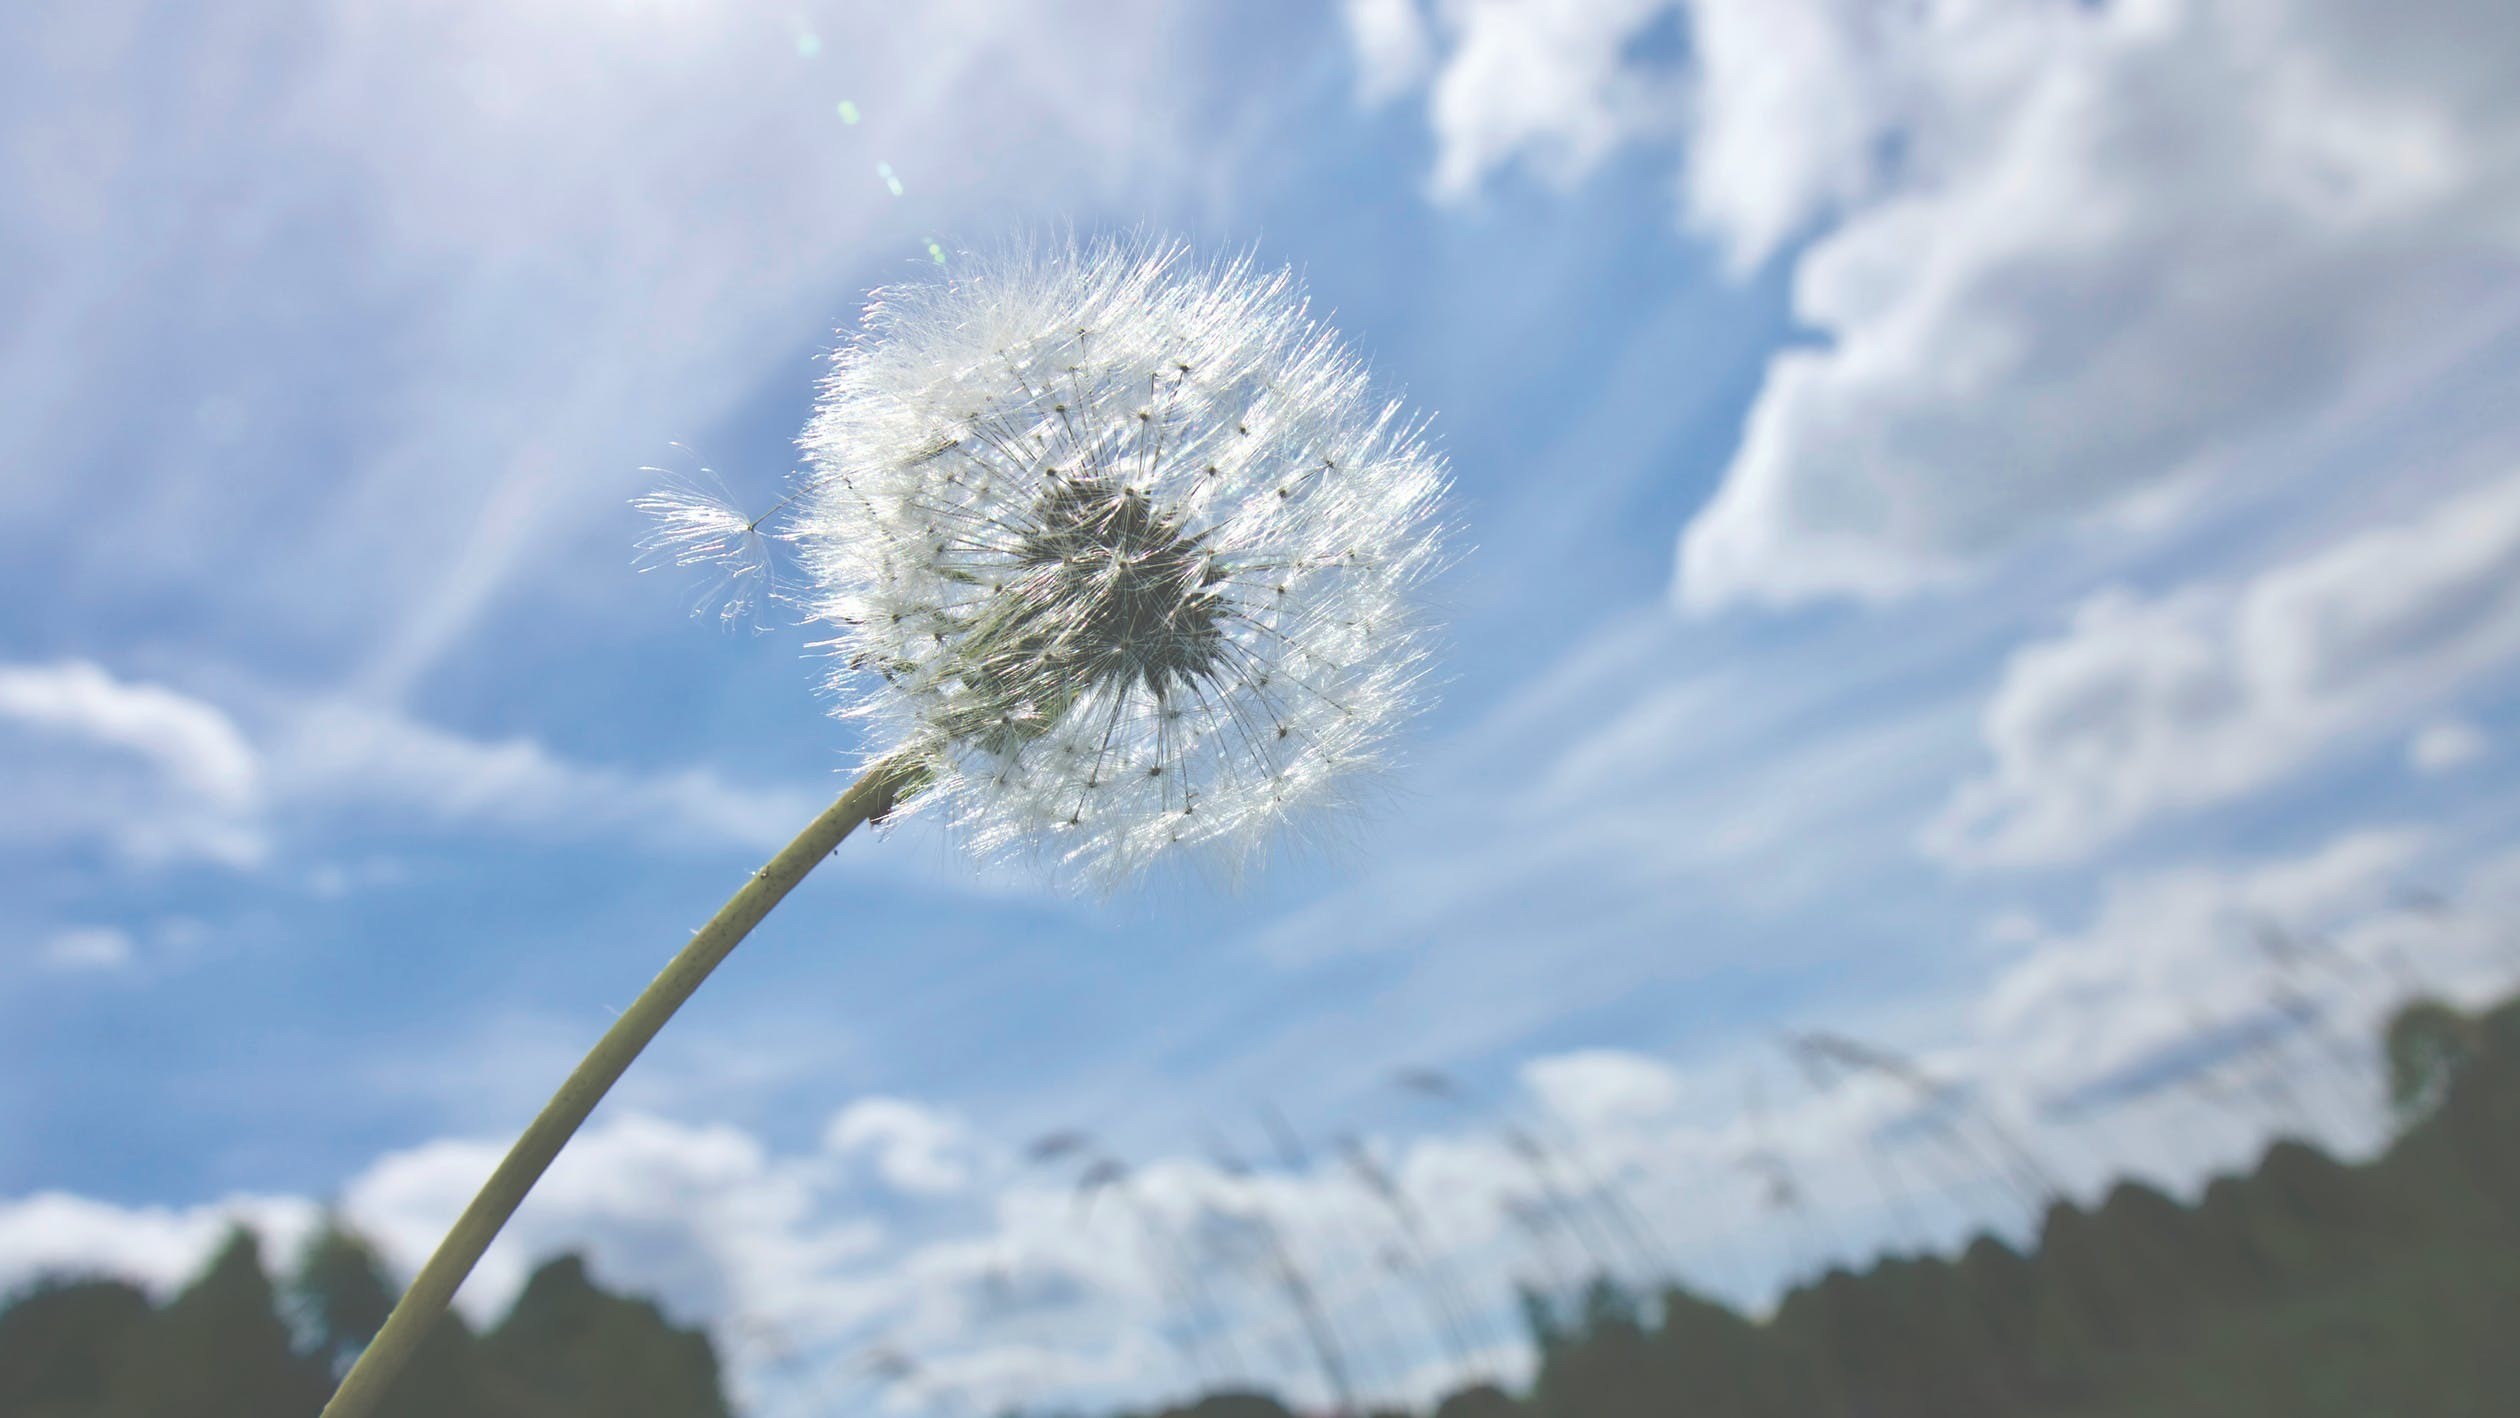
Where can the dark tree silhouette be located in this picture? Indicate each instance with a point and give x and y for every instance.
(62, 1342)
(218, 1350)
(571, 1347)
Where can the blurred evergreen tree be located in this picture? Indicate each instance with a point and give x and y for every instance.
(61, 1343)
(1612, 1373)
(2425, 1045)
(1230, 1403)
(569, 1348)
(2321, 1214)
(1479, 1401)
(2498, 1032)
(1802, 1341)
(1540, 1318)
(2000, 1288)
(342, 1294)
(2078, 1318)
(1720, 1355)
(1936, 1358)
(2480, 1114)
(218, 1350)
(2144, 1236)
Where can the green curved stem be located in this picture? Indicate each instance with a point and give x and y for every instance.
(869, 798)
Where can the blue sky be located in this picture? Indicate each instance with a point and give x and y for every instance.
(1972, 514)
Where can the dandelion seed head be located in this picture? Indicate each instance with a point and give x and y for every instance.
(1124, 544)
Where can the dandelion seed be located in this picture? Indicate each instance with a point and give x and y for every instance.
(1115, 507)
(699, 526)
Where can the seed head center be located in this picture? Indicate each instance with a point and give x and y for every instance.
(1126, 592)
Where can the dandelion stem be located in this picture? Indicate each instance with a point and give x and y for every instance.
(868, 799)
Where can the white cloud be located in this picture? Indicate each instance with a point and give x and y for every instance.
(916, 1149)
(2121, 240)
(1596, 1087)
(160, 774)
(2494, 886)
(337, 754)
(155, 773)
(331, 881)
(159, 1247)
(2445, 746)
(198, 747)
(1787, 117)
(2255, 991)
(2201, 1008)
(1541, 82)
(1391, 44)
(2179, 702)
(2065, 258)
(2012, 928)
(105, 949)
(2169, 954)
(705, 1218)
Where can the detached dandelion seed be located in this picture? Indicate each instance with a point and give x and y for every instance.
(698, 526)
(1119, 552)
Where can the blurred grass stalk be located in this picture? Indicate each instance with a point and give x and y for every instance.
(363, 1390)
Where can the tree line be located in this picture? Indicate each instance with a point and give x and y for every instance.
(236, 1343)
(2306, 1287)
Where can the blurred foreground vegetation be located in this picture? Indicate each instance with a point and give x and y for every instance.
(2306, 1288)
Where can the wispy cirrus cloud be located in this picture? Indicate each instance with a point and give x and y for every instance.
(2446, 746)
(90, 950)
(413, 291)
(158, 774)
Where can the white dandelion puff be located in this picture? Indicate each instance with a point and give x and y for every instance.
(1124, 545)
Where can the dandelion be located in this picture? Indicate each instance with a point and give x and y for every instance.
(1124, 545)
(1119, 553)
